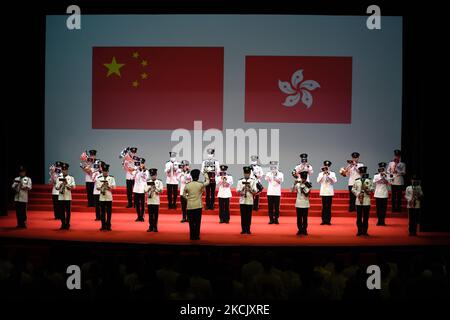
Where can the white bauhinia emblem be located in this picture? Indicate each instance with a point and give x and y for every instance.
(298, 90)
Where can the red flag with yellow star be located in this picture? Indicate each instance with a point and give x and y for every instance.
(157, 87)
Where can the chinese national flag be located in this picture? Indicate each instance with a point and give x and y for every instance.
(157, 87)
(298, 89)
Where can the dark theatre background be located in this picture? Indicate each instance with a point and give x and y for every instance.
(424, 136)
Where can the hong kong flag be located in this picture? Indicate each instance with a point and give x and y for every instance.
(298, 89)
(157, 87)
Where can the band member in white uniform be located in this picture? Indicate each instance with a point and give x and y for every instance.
(141, 176)
(185, 177)
(105, 183)
(396, 171)
(327, 179)
(257, 174)
(303, 166)
(211, 167)
(128, 166)
(87, 161)
(382, 182)
(65, 185)
(274, 178)
(55, 171)
(21, 186)
(246, 188)
(172, 175)
(96, 174)
(352, 172)
(303, 188)
(154, 188)
(413, 197)
(224, 181)
(361, 189)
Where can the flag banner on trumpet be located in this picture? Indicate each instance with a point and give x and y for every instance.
(170, 85)
(298, 89)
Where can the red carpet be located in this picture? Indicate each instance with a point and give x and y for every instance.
(41, 225)
(342, 233)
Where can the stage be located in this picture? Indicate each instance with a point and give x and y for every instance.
(42, 225)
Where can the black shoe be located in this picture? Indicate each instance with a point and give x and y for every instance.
(155, 229)
(129, 206)
(183, 220)
(221, 221)
(137, 220)
(248, 232)
(359, 234)
(149, 230)
(67, 226)
(271, 222)
(227, 222)
(305, 232)
(323, 223)
(328, 223)
(62, 227)
(276, 221)
(21, 226)
(299, 232)
(102, 229)
(243, 232)
(97, 219)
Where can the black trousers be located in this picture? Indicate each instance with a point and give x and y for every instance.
(210, 195)
(195, 220)
(224, 209)
(256, 202)
(64, 212)
(351, 204)
(327, 201)
(172, 193)
(90, 193)
(139, 203)
(381, 209)
(302, 219)
(183, 201)
(97, 206)
(130, 185)
(153, 210)
(55, 206)
(21, 213)
(106, 213)
(246, 216)
(362, 218)
(414, 216)
(397, 198)
(274, 207)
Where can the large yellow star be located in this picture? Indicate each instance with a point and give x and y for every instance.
(113, 67)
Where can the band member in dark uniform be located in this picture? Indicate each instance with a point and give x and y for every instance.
(352, 172)
(172, 175)
(396, 171)
(154, 188)
(21, 186)
(362, 188)
(211, 167)
(193, 193)
(246, 188)
(105, 183)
